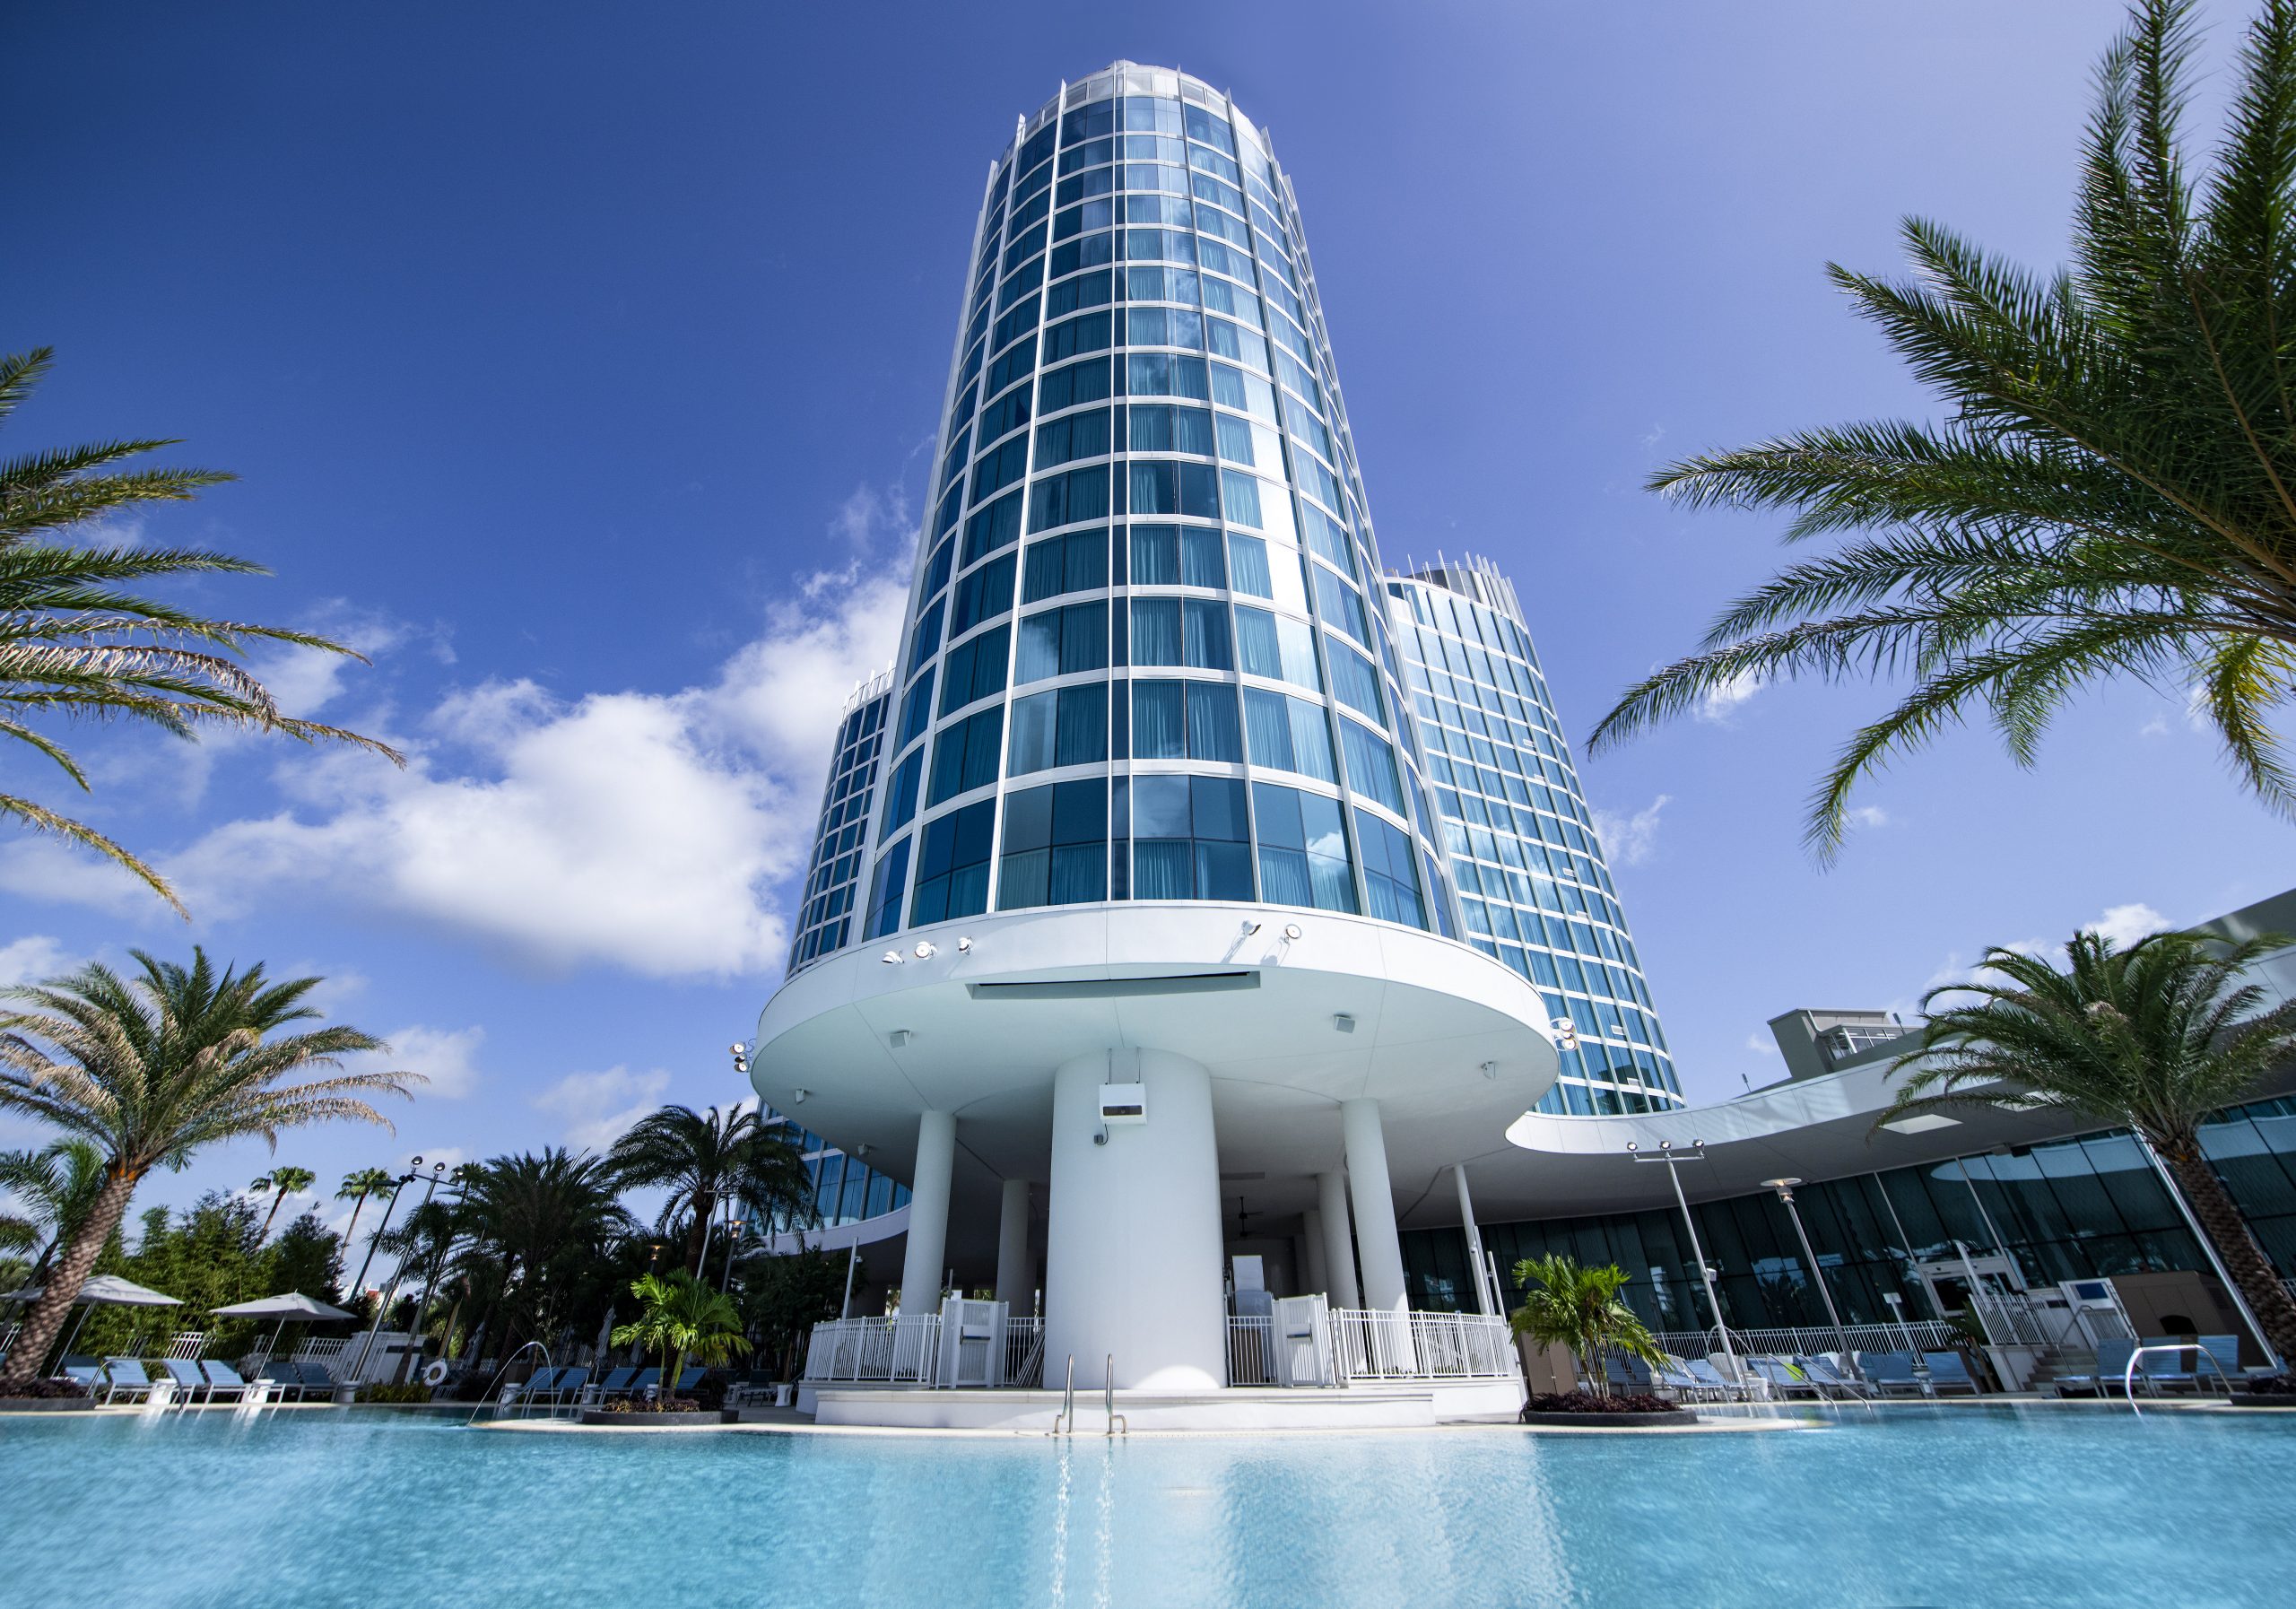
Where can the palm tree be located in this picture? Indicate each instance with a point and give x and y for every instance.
(154, 1068)
(703, 1160)
(2113, 491)
(72, 643)
(1566, 1305)
(55, 1185)
(681, 1317)
(356, 1188)
(2157, 1036)
(541, 1224)
(281, 1183)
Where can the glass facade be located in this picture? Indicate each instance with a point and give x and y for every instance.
(846, 1190)
(825, 918)
(1145, 655)
(1532, 889)
(2081, 1207)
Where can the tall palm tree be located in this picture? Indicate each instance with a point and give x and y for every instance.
(356, 1188)
(2112, 493)
(544, 1221)
(281, 1183)
(154, 1068)
(2157, 1036)
(702, 1160)
(56, 1185)
(74, 643)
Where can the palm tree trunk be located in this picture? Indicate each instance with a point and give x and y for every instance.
(46, 1319)
(265, 1233)
(705, 1202)
(351, 1235)
(2219, 1219)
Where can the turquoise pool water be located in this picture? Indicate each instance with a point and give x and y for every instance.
(1948, 1505)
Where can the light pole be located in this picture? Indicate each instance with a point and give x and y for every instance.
(360, 1285)
(430, 1278)
(1674, 1160)
(1785, 1188)
(429, 1183)
(383, 1305)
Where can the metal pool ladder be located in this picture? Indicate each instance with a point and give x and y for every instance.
(2201, 1354)
(1068, 1414)
(1107, 1401)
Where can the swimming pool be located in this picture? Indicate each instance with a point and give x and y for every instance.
(1944, 1506)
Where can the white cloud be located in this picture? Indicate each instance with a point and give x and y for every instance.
(33, 959)
(1762, 1044)
(1720, 703)
(640, 830)
(2124, 925)
(1628, 840)
(2158, 727)
(447, 1057)
(1869, 815)
(598, 1106)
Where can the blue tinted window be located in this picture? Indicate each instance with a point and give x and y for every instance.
(1302, 849)
(885, 889)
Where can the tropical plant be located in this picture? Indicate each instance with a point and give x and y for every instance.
(154, 1068)
(704, 1159)
(2157, 1036)
(355, 1188)
(74, 643)
(1566, 1305)
(784, 1297)
(54, 1186)
(545, 1229)
(680, 1317)
(279, 1183)
(2112, 492)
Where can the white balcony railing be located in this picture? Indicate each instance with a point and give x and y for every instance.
(1023, 1351)
(1377, 1346)
(1928, 1334)
(903, 1350)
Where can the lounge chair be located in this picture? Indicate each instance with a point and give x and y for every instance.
(1713, 1381)
(127, 1374)
(615, 1384)
(1630, 1376)
(1830, 1381)
(1783, 1376)
(533, 1388)
(87, 1372)
(191, 1385)
(1892, 1373)
(568, 1386)
(317, 1377)
(283, 1376)
(2177, 1369)
(224, 1378)
(689, 1380)
(1675, 1376)
(2225, 1352)
(1947, 1372)
(642, 1385)
(2110, 1367)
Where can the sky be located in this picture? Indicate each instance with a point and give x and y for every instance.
(580, 364)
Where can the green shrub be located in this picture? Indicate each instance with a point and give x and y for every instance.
(411, 1392)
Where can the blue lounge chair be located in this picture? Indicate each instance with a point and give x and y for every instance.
(191, 1385)
(1712, 1381)
(284, 1378)
(224, 1378)
(317, 1377)
(2225, 1352)
(2177, 1369)
(1630, 1376)
(615, 1384)
(1892, 1373)
(87, 1372)
(567, 1386)
(689, 1380)
(1947, 1372)
(533, 1388)
(127, 1374)
(1675, 1376)
(1783, 1376)
(1830, 1381)
(643, 1385)
(2109, 1369)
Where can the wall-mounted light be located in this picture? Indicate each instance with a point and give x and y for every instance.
(863, 1151)
(964, 946)
(797, 1097)
(898, 1038)
(1489, 1069)
(1566, 1033)
(892, 958)
(925, 949)
(1291, 930)
(1250, 928)
(1343, 1022)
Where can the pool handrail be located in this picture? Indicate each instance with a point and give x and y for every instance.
(484, 1396)
(1107, 1401)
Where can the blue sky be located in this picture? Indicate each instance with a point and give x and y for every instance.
(580, 364)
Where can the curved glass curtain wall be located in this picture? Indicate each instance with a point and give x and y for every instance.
(1145, 655)
(825, 916)
(1532, 890)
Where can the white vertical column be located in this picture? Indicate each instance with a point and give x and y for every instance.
(1012, 1247)
(1132, 1245)
(1317, 1269)
(928, 1213)
(1339, 1252)
(1374, 1201)
(1474, 1241)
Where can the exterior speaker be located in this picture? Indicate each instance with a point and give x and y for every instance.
(1124, 1103)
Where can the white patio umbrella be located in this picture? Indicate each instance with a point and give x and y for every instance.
(289, 1306)
(99, 1290)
